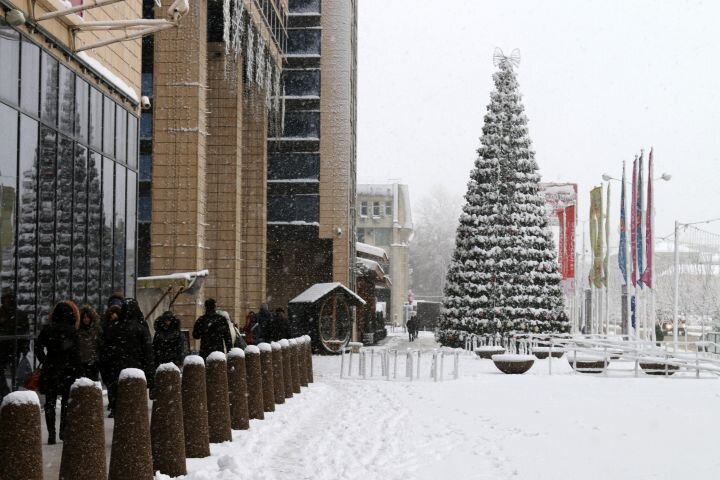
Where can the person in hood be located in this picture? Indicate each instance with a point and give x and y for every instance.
(168, 343)
(265, 324)
(126, 344)
(56, 349)
(237, 339)
(212, 330)
(89, 341)
(111, 315)
(250, 328)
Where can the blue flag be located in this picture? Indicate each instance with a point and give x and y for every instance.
(622, 254)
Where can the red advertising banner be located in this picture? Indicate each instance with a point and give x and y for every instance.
(560, 205)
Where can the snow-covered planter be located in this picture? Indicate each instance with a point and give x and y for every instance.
(513, 363)
(487, 351)
(355, 347)
(657, 366)
(588, 363)
(544, 352)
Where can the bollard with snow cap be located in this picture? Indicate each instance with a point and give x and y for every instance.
(278, 381)
(254, 383)
(287, 369)
(217, 397)
(194, 401)
(20, 438)
(131, 454)
(166, 425)
(237, 386)
(302, 358)
(83, 453)
(309, 363)
(294, 365)
(268, 380)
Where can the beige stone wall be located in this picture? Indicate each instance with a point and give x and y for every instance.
(254, 199)
(179, 152)
(224, 174)
(123, 59)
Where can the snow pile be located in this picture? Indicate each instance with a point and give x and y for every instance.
(284, 343)
(275, 346)
(510, 357)
(216, 357)
(168, 367)
(25, 397)
(264, 347)
(236, 353)
(84, 382)
(252, 349)
(490, 348)
(292, 342)
(131, 373)
(194, 360)
(109, 76)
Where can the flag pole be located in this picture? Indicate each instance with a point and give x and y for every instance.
(607, 262)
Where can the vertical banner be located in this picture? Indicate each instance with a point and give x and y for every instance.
(596, 277)
(569, 265)
(647, 274)
(633, 225)
(639, 214)
(622, 246)
(560, 206)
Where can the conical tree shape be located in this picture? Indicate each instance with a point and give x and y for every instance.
(503, 276)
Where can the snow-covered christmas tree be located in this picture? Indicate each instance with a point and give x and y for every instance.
(503, 276)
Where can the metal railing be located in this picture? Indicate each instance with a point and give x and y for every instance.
(408, 362)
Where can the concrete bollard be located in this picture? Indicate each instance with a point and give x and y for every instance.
(237, 386)
(278, 381)
(131, 454)
(294, 365)
(309, 362)
(287, 369)
(253, 368)
(194, 401)
(166, 425)
(217, 396)
(83, 453)
(302, 358)
(20, 437)
(268, 380)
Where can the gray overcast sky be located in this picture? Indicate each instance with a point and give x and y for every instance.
(600, 80)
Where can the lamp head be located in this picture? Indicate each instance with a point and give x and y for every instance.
(666, 177)
(606, 177)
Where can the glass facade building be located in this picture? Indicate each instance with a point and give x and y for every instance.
(68, 189)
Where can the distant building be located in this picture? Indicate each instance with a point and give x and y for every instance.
(312, 164)
(384, 220)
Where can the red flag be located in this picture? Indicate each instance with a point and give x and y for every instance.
(633, 225)
(647, 274)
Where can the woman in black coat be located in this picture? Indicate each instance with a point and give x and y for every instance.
(126, 344)
(57, 350)
(168, 343)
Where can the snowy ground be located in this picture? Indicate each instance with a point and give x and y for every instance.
(485, 425)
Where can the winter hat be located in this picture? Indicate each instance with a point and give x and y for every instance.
(210, 304)
(115, 299)
(65, 312)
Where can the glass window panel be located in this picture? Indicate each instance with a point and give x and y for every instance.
(30, 77)
(108, 217)
(81, 109)
(130, 234)
(363, 209)
(119, 235)
(49, 89)
(80, 224)
(94, 229)
(388, 209)
(143, 249)
(305, 41)
(144, 204)
(146, 120)
(132, 149)
(376, 209)
(146, 83)
(67, 100)
(8, 191)
(302, 124)
(145, 168)
(27, 217)
(302, 83)
(96, 111)
(109, 127)
(46, 221)
(63, 217)
(10, 61)
(304, 6)
(282, 166)
(121, 134)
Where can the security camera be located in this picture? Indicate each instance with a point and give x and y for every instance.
(145, 103)
(338, 231)
(15, 18)
(177, 10)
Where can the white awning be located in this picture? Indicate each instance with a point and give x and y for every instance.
(319, 290)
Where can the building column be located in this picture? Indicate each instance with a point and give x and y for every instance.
(179, 163)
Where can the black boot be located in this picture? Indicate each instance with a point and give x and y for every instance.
(50, 422)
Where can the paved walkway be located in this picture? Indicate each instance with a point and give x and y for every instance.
(399, 339)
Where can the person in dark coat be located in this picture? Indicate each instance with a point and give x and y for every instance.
(212, 331)
(250, 328)
(168, 343)
(57, 350)
(265, 324)
(12, 322)
(111, 315)
(89, 342)
(280, 328)
(126, 344)
(411, 328)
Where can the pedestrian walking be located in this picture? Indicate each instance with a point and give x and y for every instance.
(411, 325)
(280, 328)
(168, 342)
(264, 324)
(89, 334)
(12, 322)
(57, 351)
(126, 344)
(250, 328)
(237, 339)
(111, 315)
(212, 330)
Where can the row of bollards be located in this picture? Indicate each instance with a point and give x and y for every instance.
(192, 409)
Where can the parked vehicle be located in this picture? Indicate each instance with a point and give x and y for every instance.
(667, 327)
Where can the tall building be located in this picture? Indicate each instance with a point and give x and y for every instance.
(214, 85)
(385, 220)
(312, 164)
(68, 164)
